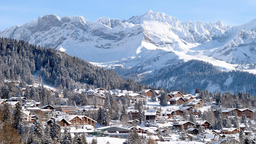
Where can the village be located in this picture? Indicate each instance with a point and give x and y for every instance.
(184, 117)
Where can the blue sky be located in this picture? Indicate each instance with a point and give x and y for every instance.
(232, 12)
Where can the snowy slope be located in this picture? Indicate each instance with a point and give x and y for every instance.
(143, 44)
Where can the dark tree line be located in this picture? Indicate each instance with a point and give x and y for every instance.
(198, 74)
(21, 61)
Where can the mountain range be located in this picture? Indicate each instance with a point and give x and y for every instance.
(142, 47)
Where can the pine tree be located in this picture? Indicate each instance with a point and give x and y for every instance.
(163, 99)
(107, 102)
(141, 113)
(192, 118)
(36, 133)
(153, 96)
(66, 138)
(47, 138)
(7, 113)
(236, 123)
(133, 137)
(241, 137)
(55, 131)
(17, 117)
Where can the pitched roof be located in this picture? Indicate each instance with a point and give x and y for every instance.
(176, 99)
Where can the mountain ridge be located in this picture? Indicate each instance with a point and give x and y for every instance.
(142, 45)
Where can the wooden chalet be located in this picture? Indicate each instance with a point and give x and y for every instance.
(193, 131)
(177, 112)
(247, 112)
(48, 107)
(151, 115)
(196, 103)
(134, 113)
(185, 124)
(74, 120)
(148, 92)
(177, 101)
(229, 131)
(205, 124)
(175, 93)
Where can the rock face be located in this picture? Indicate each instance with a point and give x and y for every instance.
(143, 44)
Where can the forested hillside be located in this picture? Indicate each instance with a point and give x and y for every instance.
(21, 61)
(197, 74)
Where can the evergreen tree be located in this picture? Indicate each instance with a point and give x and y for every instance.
(36, 132)
(241, 137)
(17, 118)
(66, 138)
(192, 118)
(153, 96)
(236, 123)
(55, 131)
(163, 99)
(47, 138)
(141, 113)
(133, 137)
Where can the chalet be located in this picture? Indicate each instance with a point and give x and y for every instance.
(74, 120)
(177, 101)
(138, 98)
(193, 131)
(94, 98)
(229, 111)
(229, 131)
(151, 115)
(175, 93)
(188, 98)
(185, 124)
(187, 108)
(196, 103)
(133, 122)
(147, 92)
(48, 107)
(247, 112)
(134, 113)
(177, 112)
(204, 123)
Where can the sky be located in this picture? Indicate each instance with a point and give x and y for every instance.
(231, 12)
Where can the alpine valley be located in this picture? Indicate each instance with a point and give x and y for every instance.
(154, 48)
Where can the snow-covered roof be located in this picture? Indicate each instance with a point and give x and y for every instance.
(244, 109)
(194, 102)
(228, 129)
(113, 128)
(174, 92)
(176, 98)
(12, 103)
(227, 110)
(201, 122)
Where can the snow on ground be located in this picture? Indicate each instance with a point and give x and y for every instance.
(104, 140)
(179, 142)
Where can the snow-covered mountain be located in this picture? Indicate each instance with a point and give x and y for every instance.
(143, 44)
